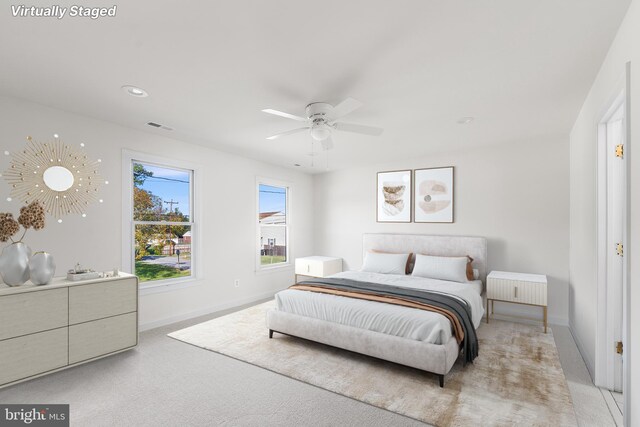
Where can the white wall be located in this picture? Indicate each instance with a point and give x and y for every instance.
(516, 195)
(228, 214)
(583, 292)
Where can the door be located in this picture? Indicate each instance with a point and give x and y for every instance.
(616, 221)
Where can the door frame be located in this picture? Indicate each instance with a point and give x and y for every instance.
(604, 375)
(626, 286)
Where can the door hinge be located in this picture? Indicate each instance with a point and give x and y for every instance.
(619, 249)
(619, 347)
(620, 150)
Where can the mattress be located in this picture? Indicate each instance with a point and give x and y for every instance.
(404, 322)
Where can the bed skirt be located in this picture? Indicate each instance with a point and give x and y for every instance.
(434, 358)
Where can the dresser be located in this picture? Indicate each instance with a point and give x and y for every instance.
(517, 288)
(317, 266)
(47, 328)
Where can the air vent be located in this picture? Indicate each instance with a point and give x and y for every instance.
(158, 125)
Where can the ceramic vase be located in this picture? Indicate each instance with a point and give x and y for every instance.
(42, 267)
(14, 264)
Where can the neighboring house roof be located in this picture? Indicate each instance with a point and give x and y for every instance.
(187, 234)
(264, 215)
(273, 217)
(174, 239)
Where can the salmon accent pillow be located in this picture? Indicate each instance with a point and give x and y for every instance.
(470, 273)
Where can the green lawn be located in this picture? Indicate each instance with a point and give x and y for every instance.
(148, 272)
(268, 259)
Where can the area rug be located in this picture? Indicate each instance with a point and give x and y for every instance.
(516, 380)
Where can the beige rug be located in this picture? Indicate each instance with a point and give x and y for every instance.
(516, 380)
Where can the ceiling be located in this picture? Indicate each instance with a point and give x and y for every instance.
(521, 68)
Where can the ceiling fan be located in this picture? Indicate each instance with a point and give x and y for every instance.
(321, 120)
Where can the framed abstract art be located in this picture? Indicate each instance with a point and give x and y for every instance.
(393, 196)
(433, 195)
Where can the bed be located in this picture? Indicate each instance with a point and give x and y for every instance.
(425, 340)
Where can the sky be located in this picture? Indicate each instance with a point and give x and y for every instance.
(173, 184)
(169, 184)
(272, 199)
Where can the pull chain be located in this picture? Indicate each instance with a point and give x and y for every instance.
(327, 158)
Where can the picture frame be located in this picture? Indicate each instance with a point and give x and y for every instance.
(393, 196)
(434, 195)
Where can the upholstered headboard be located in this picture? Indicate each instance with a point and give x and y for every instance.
(475, 247)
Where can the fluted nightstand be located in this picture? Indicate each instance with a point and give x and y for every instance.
(517, 288)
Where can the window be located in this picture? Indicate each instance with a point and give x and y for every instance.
(162, 218)
(273, 224)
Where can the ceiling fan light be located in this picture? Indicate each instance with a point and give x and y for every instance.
(320, 133)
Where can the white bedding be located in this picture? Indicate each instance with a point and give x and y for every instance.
(390, 319)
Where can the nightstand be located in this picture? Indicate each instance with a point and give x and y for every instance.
(317, 266)
(517, 288)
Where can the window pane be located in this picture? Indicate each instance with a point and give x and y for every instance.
(162, 252)
(273, 244)
(273, 205)
(160, 194)
(272, 216)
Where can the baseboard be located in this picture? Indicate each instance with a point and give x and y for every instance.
(558, 320)
(204, 311)
(587, 360)
(552, 320)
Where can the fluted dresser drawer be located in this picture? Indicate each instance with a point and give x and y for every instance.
(29, 312)
(527, 292)
(99, 300)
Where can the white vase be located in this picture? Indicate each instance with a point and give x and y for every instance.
(14, 264)
(42, 267)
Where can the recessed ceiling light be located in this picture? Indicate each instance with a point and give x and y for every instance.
(135, 91)
(465, 120)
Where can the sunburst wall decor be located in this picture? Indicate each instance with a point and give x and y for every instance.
(62, 177)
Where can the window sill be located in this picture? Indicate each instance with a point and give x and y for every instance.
(168, 285)
(275, 269)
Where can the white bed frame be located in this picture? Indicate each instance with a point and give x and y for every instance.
(438, 359)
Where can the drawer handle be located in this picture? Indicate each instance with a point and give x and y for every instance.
(515, 292)
(308, 267)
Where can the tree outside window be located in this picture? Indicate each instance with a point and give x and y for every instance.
(162, 220)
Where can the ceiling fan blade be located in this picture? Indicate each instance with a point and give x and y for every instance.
(286, 115)
(327, 143)
(366, 130)
(289, 132)
(345, 107)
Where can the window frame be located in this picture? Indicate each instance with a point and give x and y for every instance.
(288, 264)
(129, 224)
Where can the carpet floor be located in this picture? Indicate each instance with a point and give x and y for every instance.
(516, 380)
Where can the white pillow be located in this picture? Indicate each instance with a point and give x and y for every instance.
(453, 269)
(476, 274)
(377, 262)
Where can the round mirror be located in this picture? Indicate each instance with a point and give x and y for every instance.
(58, 178)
